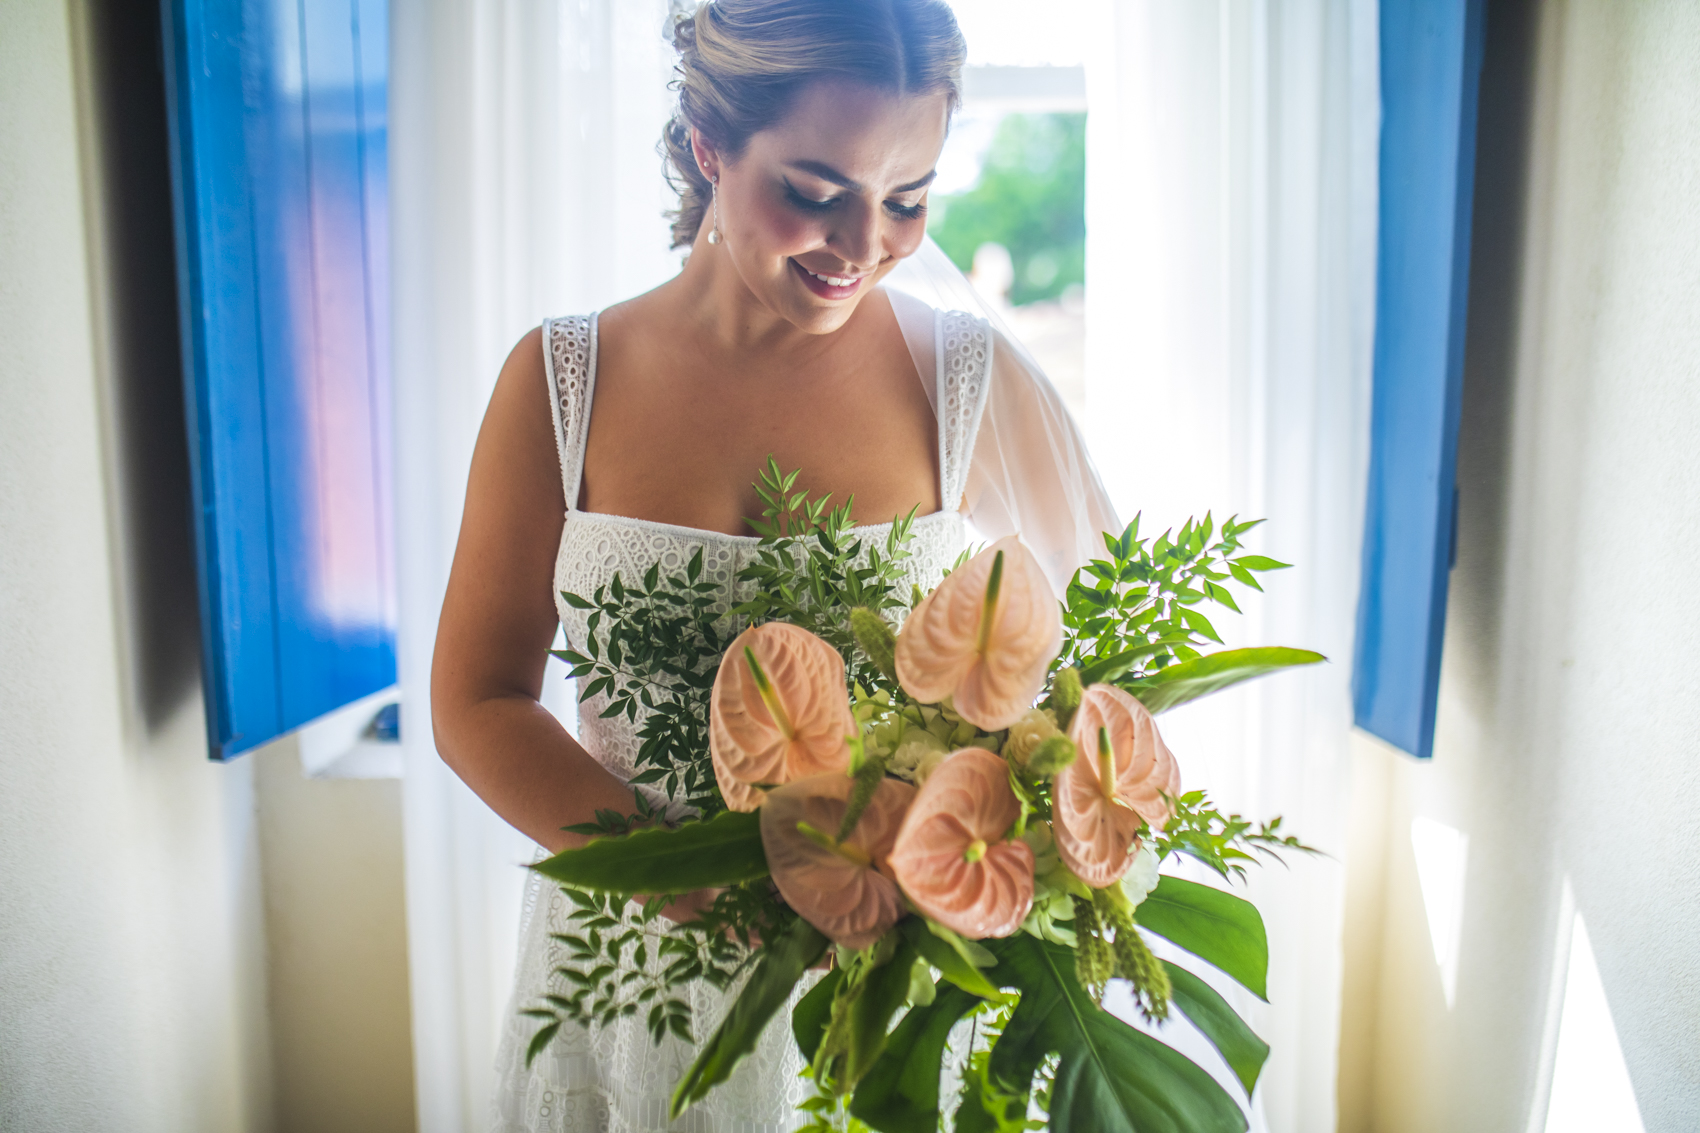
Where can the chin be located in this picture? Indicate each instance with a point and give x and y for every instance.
(811, 313)
(815, 319)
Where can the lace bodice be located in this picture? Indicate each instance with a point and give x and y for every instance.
(615, 1079)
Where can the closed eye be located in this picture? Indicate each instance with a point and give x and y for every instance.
(810, 204)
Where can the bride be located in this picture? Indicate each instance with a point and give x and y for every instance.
(802, 149)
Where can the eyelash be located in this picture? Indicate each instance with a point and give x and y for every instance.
(809, 204)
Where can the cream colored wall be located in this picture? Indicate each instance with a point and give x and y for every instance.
(331, 858)
(1569, 732)
(184, 946)
(132, 981)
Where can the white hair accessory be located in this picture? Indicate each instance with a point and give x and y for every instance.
(678, 12)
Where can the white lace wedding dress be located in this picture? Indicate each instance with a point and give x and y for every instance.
(615, 1079)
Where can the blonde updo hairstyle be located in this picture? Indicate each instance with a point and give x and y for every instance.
(742, 62)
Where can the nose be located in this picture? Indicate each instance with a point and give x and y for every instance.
(859, 236)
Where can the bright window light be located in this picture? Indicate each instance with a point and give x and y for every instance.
(1006, 32)
(1591, 1089)
(1442, 853)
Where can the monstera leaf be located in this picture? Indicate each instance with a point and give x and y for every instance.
(1237, 1043)
(723, 851)
(1213, 925)
(1176, 685)
(1110, 1077)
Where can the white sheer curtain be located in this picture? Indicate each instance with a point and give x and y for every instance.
(524, 183)
(1231, 151)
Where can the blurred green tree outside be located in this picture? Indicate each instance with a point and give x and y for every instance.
(1031, 198)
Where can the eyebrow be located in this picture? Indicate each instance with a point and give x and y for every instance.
(828, 173)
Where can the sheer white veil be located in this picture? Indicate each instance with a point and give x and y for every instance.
(1030, 472)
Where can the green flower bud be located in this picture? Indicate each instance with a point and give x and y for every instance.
(1065, 696)
(876, 639)
(1050, 757)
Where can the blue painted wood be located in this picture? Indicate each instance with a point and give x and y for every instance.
(1431, 52)
(278, 118)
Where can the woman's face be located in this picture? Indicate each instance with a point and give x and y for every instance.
(820, 207)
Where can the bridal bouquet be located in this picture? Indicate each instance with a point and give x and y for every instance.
(956, 802)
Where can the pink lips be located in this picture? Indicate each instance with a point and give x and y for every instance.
(822, 288)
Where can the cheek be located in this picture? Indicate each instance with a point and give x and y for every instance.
(783, 231)
(905, 237)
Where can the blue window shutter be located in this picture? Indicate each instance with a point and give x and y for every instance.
(278, 116)
(1431, 53)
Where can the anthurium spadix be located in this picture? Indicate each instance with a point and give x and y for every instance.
(779, 712)
(984, 638)
(1120, 778)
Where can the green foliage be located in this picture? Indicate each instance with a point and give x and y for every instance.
(725, 850)
(1217, 927)
(613, 824)
(1237, 1043)
(1042, 1044)
(781, 964)
(812, 568)
(1224, 842)
(900, 1094)
(623, 960)
(952, 962)
(656, 646)
(994, 1103)
(1128, 617)
(1110, 1078)
(1188, 680)
(1031, 198)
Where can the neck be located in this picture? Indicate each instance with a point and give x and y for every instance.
(714, 301)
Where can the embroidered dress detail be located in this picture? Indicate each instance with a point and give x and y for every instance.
(615, 1080)
(964, 366)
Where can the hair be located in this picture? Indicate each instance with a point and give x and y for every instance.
(743, 62)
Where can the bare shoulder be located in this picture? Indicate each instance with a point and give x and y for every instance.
(516, 445)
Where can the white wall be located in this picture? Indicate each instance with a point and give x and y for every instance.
(1569, 734)
(131, 951)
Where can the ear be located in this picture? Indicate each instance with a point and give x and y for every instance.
(707, 158)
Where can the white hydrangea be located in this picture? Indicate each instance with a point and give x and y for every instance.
(917, 746)
(1141, 876)
(1027, 733)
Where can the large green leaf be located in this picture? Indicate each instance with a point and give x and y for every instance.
(812, 1013)
(886, 987)
(783, 962)
(901, 1093)
(723, 851)
(1176, 685)
(1219, 927)
(1110, 1077)
(1238, 1044)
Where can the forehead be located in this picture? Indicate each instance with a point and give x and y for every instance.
(869, 135)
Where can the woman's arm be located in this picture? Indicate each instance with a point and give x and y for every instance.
(499, 619)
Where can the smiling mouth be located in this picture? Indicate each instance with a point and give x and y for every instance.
(829, 286)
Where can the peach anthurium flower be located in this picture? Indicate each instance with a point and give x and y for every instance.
(835, 886)
(983, 637)
(1123, 771)
(778, 712)
(951, 856)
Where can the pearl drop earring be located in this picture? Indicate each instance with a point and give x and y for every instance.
(714, 236)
